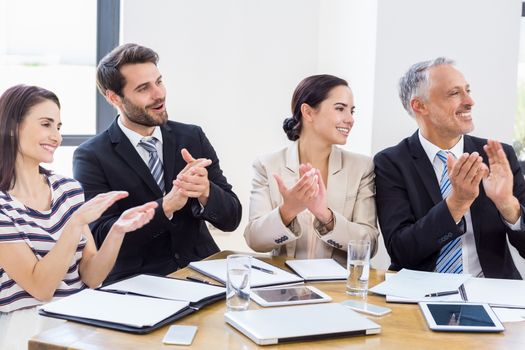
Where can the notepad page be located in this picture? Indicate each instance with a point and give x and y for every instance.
(216, 269)
(128, 310)
(502, 292)
(166, 288)
(401, 300)
(416, 284)
(318, 269)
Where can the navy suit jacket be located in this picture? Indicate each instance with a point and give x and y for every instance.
(415, 220)
(109, 162)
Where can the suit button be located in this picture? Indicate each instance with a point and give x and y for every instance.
(176, 256)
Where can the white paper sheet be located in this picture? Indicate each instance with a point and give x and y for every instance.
(166, 288)
(123, 309)
(416, 284)
(509, 315)
(318, 269)
(216, 269)
(496, 292)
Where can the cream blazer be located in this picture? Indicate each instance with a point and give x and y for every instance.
(350, 196)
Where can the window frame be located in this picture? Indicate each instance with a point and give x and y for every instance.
(108, 34)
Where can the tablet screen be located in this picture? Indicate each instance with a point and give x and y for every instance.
(287, 294)
(460, 315)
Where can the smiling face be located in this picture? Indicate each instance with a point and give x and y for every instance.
(445, 114)
(39, 133)
(333, 119)
(144, 95)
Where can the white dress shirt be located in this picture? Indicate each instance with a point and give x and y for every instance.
(469, 253)
(135, 138)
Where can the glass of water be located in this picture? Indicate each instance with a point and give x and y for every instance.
(238, 282)
(358, 265)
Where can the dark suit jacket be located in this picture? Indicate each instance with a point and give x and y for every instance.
(109, 162)
(415, 220)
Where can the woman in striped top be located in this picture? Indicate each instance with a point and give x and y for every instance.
(46, 248)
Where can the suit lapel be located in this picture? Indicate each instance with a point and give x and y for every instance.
(168, 151)
(127, 152)
(337, 180)
(424, 168)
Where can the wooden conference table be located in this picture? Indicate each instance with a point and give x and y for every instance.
(404, 328)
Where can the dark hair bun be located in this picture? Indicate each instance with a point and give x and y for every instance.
(290, 127)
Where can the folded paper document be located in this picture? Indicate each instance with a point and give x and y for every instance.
(416, 284)
(318, 269)
(216, 269)
(139, 304)
(496, 292)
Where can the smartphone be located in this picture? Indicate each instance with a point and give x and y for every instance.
(367, 308)
(180, 335)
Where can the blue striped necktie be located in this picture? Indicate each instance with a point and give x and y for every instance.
(450, 258)
(154, 162)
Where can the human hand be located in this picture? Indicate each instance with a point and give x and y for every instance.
(134, 218)
(299, 196)
(318, 205)
(184, 183)
(95, 207)
(193, 179)
(499, 182)
(465, 175)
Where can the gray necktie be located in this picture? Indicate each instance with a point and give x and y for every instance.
(154, 162)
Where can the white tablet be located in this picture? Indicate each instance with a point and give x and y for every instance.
(460, 317)
(288, 296)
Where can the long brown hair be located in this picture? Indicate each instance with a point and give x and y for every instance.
(15, 103)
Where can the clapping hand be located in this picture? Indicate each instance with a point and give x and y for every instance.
(93, 209)
(300, 196)
(193, 181)
(499, 182)
(134, 218)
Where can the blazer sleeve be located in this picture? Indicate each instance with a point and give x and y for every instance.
(362, 223)
(412, 234)
(517, 238)
(90, 173)
(223, 209)
(265, 230)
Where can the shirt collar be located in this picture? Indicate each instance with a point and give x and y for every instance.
(431, 150)
(134, 137)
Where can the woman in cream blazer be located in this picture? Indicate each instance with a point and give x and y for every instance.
(292, 212)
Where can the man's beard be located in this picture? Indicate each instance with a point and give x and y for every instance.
(141, 116)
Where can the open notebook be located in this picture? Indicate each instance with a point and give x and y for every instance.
(495, 292)
(216, 269)
(139, 304)
(318, 269)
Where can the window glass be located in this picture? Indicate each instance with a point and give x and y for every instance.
(52, 44)
(519, 125)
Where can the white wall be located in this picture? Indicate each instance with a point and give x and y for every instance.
(231, 66)
(481, 35)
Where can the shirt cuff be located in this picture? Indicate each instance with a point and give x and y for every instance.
(517, 226)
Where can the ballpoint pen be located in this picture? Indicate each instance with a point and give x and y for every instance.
(194, 279)
(440, 294)
(262, 269)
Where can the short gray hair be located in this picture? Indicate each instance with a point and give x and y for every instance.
(415, 81)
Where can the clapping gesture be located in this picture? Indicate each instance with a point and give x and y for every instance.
(309, 192)
(191, 182)
(130, 220)
(499, 182)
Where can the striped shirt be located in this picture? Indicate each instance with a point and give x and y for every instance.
(40, 230)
